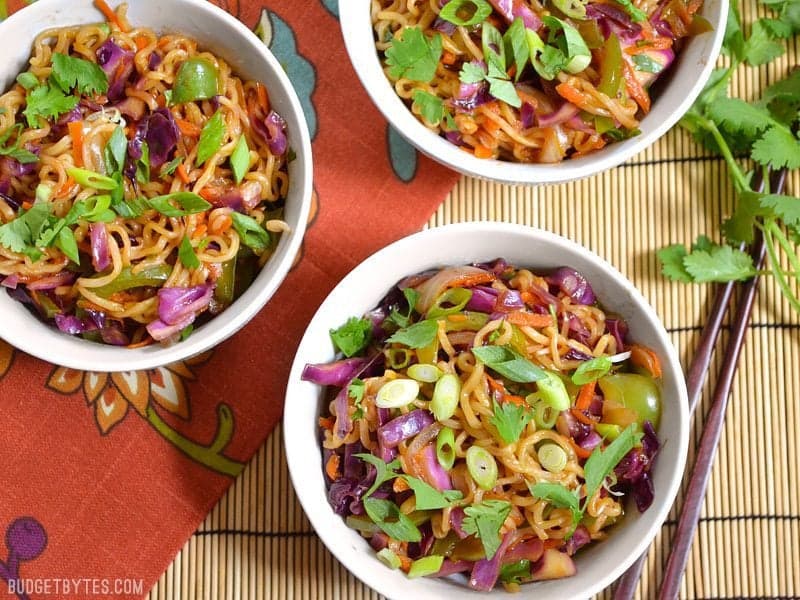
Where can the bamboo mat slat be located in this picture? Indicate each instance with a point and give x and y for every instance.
(258, 544)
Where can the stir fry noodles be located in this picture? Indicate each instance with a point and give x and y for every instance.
(488, 420)
(142, 183)
(525, 81)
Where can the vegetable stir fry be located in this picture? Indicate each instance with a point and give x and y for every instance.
(488, 420)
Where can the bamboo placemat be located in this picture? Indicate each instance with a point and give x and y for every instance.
(257, 543)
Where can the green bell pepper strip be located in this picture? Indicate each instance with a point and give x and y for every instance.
(611, 69)
(226, 284)
(151, 277)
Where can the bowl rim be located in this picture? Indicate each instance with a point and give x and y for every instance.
(360, 46)
(326, 522)
(81, 354)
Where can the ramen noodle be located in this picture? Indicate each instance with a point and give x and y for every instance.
(142, 183)
(488, 420)
(524, 81)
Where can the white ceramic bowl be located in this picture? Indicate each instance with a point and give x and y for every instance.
(599, 564)
(686, 79)
(224, 35)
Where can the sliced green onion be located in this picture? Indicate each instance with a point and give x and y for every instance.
(427, 565)
(449, 303)
(482, 467)
(43, 193)
(552, 457)
(92, 180)
(608, 431)
(397, 393)
(197, 79)
(446, 448)
(27, 80)
(240, 160)
(474, 321)
(398, 358)
(553, 391)
(389, 558)
(96, 208)
(465, 13)
(446, 395)
(572, 8)
(424, 373)
(544, 415)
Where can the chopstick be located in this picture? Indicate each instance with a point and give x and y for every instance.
(695, 379)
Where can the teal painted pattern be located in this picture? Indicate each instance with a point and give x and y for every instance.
(402, 155)
(332, 6)
(280, 38)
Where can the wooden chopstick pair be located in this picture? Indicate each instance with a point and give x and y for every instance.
(690, 513)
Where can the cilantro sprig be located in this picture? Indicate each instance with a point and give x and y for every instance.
(761, 133)
(598, 467)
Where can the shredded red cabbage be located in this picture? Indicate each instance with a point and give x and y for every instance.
(100, 251)
(404, 427)
(485, 572)
(338, 373)
(53, 281)
(118, 66)
(573, 284)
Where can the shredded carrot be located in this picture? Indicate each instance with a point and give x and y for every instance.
(528, 298)
(188, 128)
(220, 225)
(161, 100)
(141, 42)
(552, 543)
(491, 127)
(141, 344)
(76, 133)
(581, 452)
(585, 396)
(326, 423)
(200, 231)
(110, 14)
(693, 6)
(263, 98)
(571, 94)
(405, 563)
(448, 58)
(332, 467)
(646, 359)
(457, 318)
(583, 417)
(526, 319)
(469, 281)
(659, 43)
(482, 151)
(164, 42)
(27, 204)
(64, 189)
(184, 176)
(399, 485)
(634, 87)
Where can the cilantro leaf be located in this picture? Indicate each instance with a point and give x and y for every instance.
(601, 462)
(472, 73)
(760, 48)
(427, 497)
(211, 138)
(735, 114)
(432, 109)
(786, 208)
(504, 90)
(782, 98)
(509, 420)
(417, 335)
(352, 337)
(387, 515)
(69, 72)
(733, 41)
(356, 391)
(508, 363)
(20, 234)
(778, 147)
(720, 264)
(385, 471)
(398, 318)
(47, 102)
(672, 265)
(413, 56)
(560, 497)
(484, 521)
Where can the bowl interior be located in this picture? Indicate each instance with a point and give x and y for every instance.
(687, 78)
(364, 287)
(222, 34)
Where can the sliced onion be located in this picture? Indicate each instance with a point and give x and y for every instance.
(621, 357)
(10, 281)
(563, 114)
(431, 289)
(53, 281)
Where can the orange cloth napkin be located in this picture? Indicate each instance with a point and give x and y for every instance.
(106, 476)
